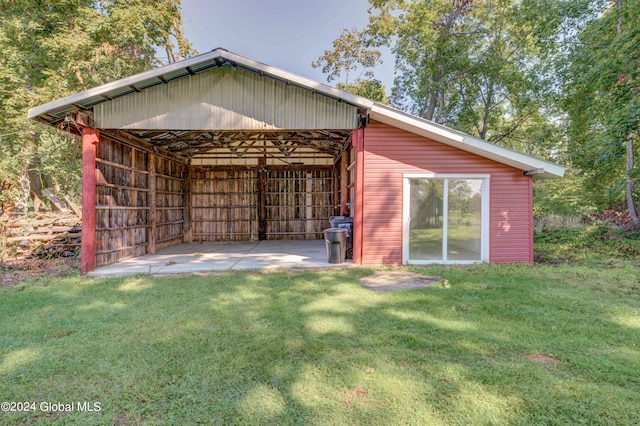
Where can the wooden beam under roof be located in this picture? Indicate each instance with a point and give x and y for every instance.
(187, 143)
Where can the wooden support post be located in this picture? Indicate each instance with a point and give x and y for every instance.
(309, 204)
(130, 234)
(153, 220)
(262, 208)
(90, 138)
(358, 207)
(186, 225)
(344, 184)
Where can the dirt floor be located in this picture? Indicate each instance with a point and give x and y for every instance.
(16, 270)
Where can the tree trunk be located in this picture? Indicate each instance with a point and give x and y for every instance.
(633, 211)
(35, 186)
(631, 204)
(21, 207)
(431, 108)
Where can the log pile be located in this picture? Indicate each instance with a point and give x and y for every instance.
(49, 235)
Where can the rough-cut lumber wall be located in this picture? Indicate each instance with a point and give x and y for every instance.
(122, 210)
(391, 152)
(298, 203)
(251, 203)
(224, 204)
(169, 202)
(139, 199)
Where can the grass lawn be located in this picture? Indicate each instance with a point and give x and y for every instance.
(494, 344)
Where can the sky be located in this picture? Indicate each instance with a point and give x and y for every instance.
(287, 34)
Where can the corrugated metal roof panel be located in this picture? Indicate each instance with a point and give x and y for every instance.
(55, 111)
(225, 98)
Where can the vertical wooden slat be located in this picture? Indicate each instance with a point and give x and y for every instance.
(153, 219)
(186, 226)
(262, 210)
(134, 196)
(309, 204)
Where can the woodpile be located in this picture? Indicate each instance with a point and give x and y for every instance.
(49, 235)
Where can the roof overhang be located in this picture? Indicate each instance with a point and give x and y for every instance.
(55, 112)
(528, 164)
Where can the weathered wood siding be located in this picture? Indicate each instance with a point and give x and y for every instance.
(169, 205)
(224, 204)
(251, 203)
(128, 216)
(391, 152)
(122, 210)
(298, 203)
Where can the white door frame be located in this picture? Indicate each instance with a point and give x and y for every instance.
(406, 219)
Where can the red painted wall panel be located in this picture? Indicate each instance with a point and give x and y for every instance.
(390, 152)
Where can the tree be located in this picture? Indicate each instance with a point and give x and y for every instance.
(602, 87)
(52, 49)
(352, 55)
(371, 89)
(468, 64)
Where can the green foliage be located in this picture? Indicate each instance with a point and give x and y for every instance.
(370, 89)
(602, 99)
(599, 244)
(52, 49)
(563, 197)
(472, 65)
(493, 344)
(350, 55)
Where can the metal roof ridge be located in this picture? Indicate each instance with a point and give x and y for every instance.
(245, 62)
(409, 122)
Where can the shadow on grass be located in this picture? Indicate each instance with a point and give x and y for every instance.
(317, 348)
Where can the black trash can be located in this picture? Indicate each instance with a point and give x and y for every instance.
(344, 222)
(336, 241)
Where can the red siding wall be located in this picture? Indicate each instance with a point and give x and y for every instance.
(391, 152)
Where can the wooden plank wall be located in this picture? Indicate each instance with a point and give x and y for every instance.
(299, 203)
(224, 204)
(251, 203)
(139, 202)
(169, 202)
(122, 210)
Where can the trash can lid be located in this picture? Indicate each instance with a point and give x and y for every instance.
(335, 230)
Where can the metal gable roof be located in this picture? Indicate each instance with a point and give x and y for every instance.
(54, 112)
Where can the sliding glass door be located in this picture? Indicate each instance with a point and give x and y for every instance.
(445, 219)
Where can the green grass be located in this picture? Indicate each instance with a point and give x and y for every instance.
(597, 245)
(317, 348)
(463, 243)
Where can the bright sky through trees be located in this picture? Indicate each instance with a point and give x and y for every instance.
(288, 34)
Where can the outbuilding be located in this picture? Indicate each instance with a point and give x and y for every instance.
(220, 147)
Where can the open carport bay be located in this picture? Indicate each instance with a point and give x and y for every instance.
(223, 256)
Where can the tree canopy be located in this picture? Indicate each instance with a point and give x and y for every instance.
(553, 78)
(52, 49)
(558, 79)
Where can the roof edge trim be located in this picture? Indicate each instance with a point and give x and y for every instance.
(158, 73)
(460, 140)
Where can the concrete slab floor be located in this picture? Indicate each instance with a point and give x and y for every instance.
(224, 256)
